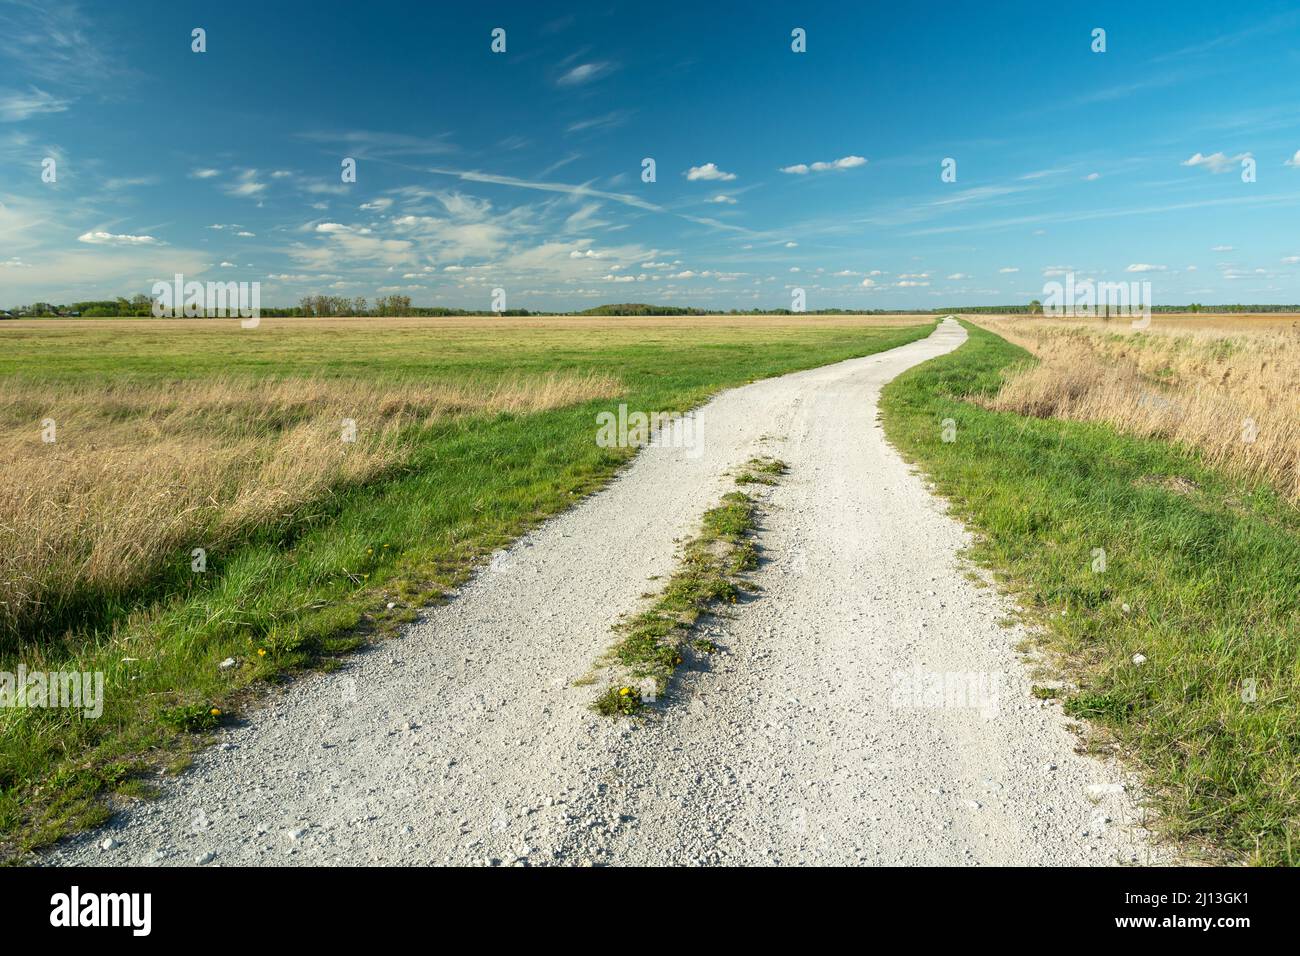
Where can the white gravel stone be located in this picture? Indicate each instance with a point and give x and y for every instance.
(802, 694)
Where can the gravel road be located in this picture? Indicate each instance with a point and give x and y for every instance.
(815, 735)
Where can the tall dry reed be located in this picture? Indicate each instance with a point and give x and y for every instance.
(1231, 391)
(140, 472)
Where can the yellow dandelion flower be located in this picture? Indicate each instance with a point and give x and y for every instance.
(215, 712)
(261, 652)
(625, 691)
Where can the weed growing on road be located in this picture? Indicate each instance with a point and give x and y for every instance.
(761, 471)
(710, 573)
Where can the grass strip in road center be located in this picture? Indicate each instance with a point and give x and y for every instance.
(711, 573)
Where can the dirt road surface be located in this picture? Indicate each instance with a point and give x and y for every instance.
(815, 735)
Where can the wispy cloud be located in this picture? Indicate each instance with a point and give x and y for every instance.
(605, 121)
(626, 199)
(58, 45)
(16, 105)
(583, 73)
(247, 186)
(373, 143)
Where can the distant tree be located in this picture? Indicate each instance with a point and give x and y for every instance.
(1035, 307)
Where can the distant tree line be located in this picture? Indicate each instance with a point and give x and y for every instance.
(642, 308)
(139, 305)
(317, 306)
(1035, 308)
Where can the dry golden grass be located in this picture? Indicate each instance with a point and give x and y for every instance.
(140, 470)
(1228, 386)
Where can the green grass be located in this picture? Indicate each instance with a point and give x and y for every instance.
(710, 573)
(1208, 566)
(761, 471)
(299, 595)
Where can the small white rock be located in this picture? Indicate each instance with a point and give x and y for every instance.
(205, 858)
(1139, 658)
(108, 843)
(228, 663)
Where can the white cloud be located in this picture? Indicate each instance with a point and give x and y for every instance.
(227, 265)
(583, 73)
(96, 238)
(1145, 267)
(959, 275)
(708, 171)
(1294, 160)
(16, 105)
(243, 234)
(1007, 270)
(608, 120)
(377, 204)
(1221, 248)
(1091, 177)
(1290, 260)
(1216, 162)
(723, 199)
(868, 283)
(844, 162)
(791, 245)
(247, 187)
(204, 173)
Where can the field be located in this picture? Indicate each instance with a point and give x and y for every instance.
(171, 437)
(1159, 553)
(1226, 386)
(1136, 490)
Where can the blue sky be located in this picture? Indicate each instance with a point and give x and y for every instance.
(774, 169)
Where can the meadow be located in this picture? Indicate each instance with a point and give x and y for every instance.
(1227, 386)
(175, 436)
(1159, 562)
